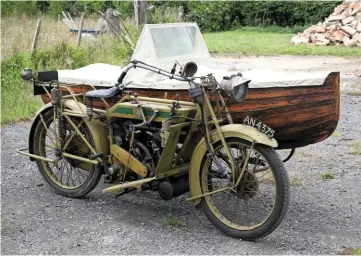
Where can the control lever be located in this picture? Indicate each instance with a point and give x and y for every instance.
(173, 68)
(175, 105)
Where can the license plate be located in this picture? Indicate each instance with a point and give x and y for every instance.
(259, 125)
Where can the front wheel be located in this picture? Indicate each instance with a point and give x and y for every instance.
(258, 204)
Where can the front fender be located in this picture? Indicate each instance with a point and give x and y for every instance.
(232, 130)
(95, 127)
(36, 119)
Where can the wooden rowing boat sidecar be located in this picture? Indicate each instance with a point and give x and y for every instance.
(300, 115)
(302, 107)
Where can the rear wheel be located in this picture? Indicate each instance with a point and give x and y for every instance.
(68, 177)
(257, 206)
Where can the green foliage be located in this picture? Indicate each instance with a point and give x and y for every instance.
(218, 16)
(327, 175)
(28, 8)
(213, 16)
(163, 14)
(258, 41)
(174, 223)
(356, 251)
(125, 8)
(17, 102)
(296, 181)
(56, 7)
(354, 93)
(31, 8)
(356, 149)
(210, 15)
(90, 7)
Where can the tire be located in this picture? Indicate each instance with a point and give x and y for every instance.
(94, 172)
(279, 207)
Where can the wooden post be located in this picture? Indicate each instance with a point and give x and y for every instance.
(142, 12)
(116, 31)
(36, 36)
(71, 19)
(112, 20)
(180, 14)
(80, 28)
(136, 13)
(68, 22)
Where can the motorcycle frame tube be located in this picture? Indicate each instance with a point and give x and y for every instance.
(94, 125)
(166, 159)
(218, 128)
(20, 151)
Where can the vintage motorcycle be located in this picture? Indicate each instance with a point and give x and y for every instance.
(139, 143)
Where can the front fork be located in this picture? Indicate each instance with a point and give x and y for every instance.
(215, 121)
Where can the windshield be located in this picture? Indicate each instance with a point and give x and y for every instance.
(161, 44)
(179, 41)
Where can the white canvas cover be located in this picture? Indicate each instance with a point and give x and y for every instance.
(161, 45)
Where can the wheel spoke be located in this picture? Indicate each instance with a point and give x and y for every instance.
(250, 203)
(67, 172)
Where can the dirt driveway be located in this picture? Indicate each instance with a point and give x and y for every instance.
(323, 218)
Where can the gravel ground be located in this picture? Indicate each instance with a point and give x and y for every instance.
(323, 216)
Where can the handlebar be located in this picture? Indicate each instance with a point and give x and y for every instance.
(121, 77)
(140, 64)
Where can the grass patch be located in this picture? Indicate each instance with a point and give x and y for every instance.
(56, 50)
(356, 251)
(336, 134)
(353, 93)
(273, 29)
(352, 251)
(17, 100)
(260, 41)
(174, 223)
(356, 149)
(296, 181)
(327, 175)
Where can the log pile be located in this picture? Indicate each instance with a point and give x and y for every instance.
(342, 27)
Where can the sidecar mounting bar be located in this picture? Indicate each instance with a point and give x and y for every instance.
(21, 151)
(139, 64)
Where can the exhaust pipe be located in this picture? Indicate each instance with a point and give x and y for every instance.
(173, 188)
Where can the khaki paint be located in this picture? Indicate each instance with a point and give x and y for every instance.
(95, 127)
(129, 160)
(232, 130)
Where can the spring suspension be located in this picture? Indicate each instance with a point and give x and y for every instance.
(89, 107)
(61, 128)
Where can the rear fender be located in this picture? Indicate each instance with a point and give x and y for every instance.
(232, 130)
(95, 127)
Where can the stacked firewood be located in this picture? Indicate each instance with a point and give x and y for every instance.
(342, 27)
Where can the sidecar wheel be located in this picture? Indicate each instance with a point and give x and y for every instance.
(257, 206)
(71, 178)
